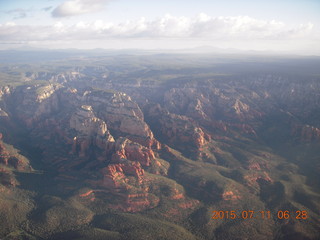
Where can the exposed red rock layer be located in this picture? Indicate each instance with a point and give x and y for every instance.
(253, 178)
(115, 175)
(126, 149)
(230, 196)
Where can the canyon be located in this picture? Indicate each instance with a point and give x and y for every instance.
(89, 143)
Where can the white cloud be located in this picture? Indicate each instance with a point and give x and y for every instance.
(78, 7)
(199, 28)
(9, 24)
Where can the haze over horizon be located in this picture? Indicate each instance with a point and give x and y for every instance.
(277, 26)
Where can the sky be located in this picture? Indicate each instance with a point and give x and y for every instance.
(290, 26)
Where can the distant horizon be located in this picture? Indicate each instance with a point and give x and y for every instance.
(206, 50)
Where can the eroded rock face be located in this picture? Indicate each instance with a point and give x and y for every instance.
(209, 103)
(253, 178)
(12, 160)
(135, 127)
(126, 181)
(230, 196)
(178, 129)
(85, 122)
(4, 91)
(122, 115)
(90, 130)
(34, 103)
(126, 149)
(115, 175)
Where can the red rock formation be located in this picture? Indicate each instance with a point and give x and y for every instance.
(122, 115)
(125, 178)
(133, 169)
(188, 204)
(149, 142)
(126, 149)
(230, 196)
(200, 138)
(254, 166)
(177, 195)
(253, 178)
(132, 196)
(86, 194)
(179, 130)
(115, 175)
(112, 176)
(90, 131)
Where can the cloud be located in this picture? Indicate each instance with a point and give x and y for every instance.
(78, 7)
(201, 27)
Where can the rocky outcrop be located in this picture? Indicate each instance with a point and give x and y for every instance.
(125, 178)
(126, 149)
(63, 77)
(176, 129)
(4, 91)
(90, 130)
(211, 103)
(115, 175)
(126, 181)
(122, 115)
(252, 179)
(85, 122)
(12, 159)
(34, 103)
(230, 196)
